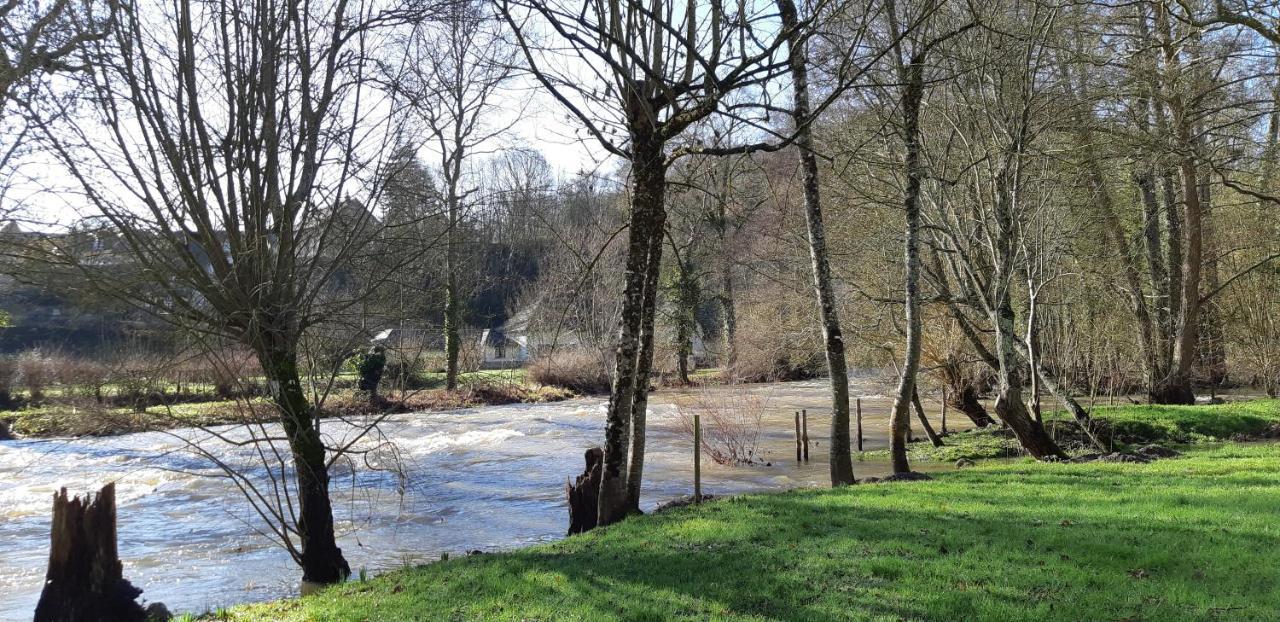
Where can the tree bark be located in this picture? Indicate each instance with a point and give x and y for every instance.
(452, 302)
(924, 420)
(648, 170)
(1009, 405)
(841, 457)
(85, 579)
(584, 494)
(900, 419)
(321, 560)
(644, 367)
(962, 395)
(1176, 387)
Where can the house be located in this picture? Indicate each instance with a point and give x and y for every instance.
(515, 342)
(519, 340)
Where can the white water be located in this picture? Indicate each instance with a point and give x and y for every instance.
(488, 478)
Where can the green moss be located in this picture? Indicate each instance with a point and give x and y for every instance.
(1181, 539)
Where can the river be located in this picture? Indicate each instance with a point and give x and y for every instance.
(487, 478)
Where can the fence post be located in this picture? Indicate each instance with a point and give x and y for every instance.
(697, 458)
(799, 451)
(859, 418)
(804, 425)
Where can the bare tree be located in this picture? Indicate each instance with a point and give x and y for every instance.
(995, 113)
(637, 76)
(36, 39)
(222, 146)
(453, 67)
(841, 455)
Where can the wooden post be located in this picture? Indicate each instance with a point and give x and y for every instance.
(804, 426)
(799, 447)
(697, 458)
(85, 580)
(859, 417)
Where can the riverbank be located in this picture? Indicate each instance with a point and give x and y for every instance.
(1184, 538)
(86, 417)
(1189, 538)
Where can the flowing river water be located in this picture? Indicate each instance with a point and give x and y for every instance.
(488, 478)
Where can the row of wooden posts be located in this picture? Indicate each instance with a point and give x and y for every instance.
(802, 439)
(802, 428)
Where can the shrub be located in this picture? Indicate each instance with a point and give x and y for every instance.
(731, 422)
(34, 373)
(581, 370)
(370, 367)
(775, 342)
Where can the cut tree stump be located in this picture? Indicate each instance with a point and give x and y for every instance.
(584, 494)
(85, 578)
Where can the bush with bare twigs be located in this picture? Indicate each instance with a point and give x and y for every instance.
(581, 370)
(776, 342)
(731, 423)
(35, 372)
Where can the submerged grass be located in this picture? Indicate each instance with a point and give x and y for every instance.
(1189, 538)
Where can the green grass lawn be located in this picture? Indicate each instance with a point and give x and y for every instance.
(1191, 538)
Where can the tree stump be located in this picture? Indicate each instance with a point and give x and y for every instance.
(584, 494)
(85, 578)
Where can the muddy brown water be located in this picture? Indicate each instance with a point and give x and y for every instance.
(486, 478)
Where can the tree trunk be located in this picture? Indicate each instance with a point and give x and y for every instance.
(900, 419)
(1176, 387)
(728, 320)
(1212, 355)
(924, 420)
(644, 366)
(648, 170)
(584, 494)
(841, 457)
(1009, 405)
(452, 302)
(1077, 411)
(962, 395)
(321, 559)
(85, 580)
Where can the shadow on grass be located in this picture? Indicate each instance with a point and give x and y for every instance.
(1049, 542)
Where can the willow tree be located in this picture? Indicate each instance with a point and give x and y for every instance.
(219, 144)
(994, 112)
(637, 77)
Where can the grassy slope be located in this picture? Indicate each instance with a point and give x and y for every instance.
(1182, 539)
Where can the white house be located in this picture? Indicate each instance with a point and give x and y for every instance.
(514, 343)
